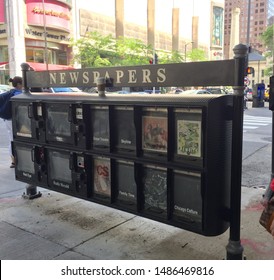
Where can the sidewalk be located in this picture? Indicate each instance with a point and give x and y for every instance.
(56, 226)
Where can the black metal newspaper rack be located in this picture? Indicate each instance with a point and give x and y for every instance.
(164, 157)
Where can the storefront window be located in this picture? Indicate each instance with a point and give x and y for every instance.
(62, 58)
(4, 54)
(54, 56)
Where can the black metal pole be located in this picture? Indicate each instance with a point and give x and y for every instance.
(270, 103)
(234, 247)
(271, 107)
(25, 67)
(272, 152)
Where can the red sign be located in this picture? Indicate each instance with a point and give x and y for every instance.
(2, 11)
(57, 15)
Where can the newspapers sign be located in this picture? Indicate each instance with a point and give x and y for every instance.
(177, 74)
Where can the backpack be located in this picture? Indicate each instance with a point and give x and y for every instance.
(5, 104)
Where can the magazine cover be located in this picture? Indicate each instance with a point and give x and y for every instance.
(101, 171)
(154, 133)
(189, 138)
(155, 188)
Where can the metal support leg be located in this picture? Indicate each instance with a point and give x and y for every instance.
(234, 247)
(31, 192)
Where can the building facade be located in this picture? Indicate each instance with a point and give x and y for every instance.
(39, 31)
(166, 25)
(36, 32)
(254, 17)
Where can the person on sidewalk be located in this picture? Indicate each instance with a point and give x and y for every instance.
(6, 111)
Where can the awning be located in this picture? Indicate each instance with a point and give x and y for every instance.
(43, 66)
(3, 65)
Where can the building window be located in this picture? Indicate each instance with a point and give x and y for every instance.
(4, 54)
(54, 56)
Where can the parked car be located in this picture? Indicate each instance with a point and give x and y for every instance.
(64, 89)
(176, 91)
(216, 90)
(56, 89)
(151, 91)
(122, 92)
(4, 88)
(196, 91)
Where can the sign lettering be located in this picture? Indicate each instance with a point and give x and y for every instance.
(160, 75)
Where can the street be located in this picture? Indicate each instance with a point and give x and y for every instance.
(257, 135)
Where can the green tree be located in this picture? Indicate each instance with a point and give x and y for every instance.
(130, 51)
(170, 57)
(93, 49)
(197, 55)
(268, 39)
(96, 50)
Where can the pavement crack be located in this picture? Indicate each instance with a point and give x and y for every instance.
(256, 151)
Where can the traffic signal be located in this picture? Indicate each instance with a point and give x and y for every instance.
(249, 70)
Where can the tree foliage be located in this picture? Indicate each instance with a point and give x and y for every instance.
(197, 55)
(91, 50)
(172, 57)
(131, 51)
(96, 50)
(268, 39)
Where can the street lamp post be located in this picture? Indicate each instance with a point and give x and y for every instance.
(186, 48)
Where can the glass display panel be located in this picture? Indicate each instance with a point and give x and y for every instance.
(102, 176)
(59, 168)
(187, 196)
(125, 133)
(100, 126)
(24, 161)
(188, 132)
(22, 121)
(127, 189)
(154, 130)
(58, 122)
(155, 189)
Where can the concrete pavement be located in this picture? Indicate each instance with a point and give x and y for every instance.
(56, 226)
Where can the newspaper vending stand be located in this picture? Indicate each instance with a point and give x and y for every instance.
(164, 157)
